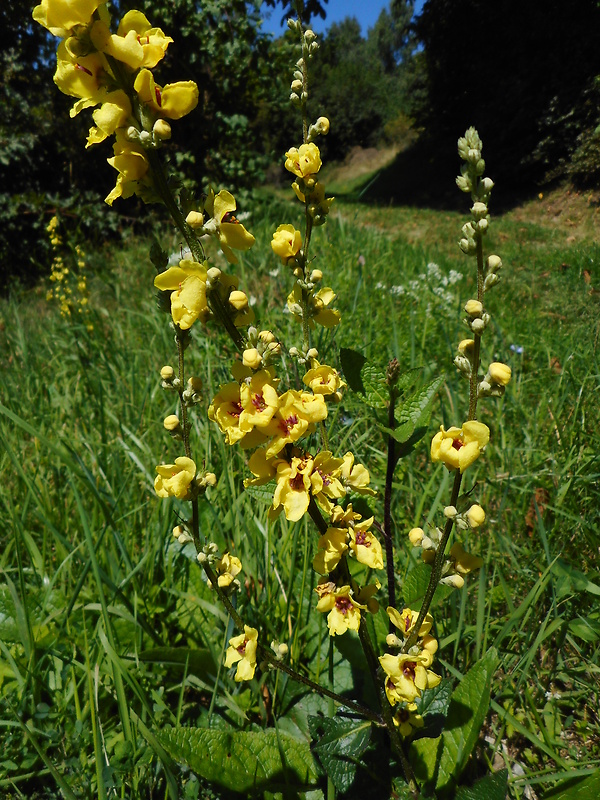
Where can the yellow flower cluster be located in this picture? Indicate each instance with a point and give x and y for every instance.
(407, 674)
(69, 287)
(112, 73)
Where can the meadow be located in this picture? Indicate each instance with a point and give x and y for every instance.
(108, 630)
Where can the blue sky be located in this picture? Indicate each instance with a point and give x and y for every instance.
(365, 11)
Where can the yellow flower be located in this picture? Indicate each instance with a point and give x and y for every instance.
(500, 373)
(296, 415)
(344, 611)
(173, 101)
(132, 165)
(293, 487)
(317, 311)
(81, 77)
(259, 400)
(475, 516)
(356, 476)
(286, 242)
(303, 161)
(60, 16)
(188, 297)
(173, 480)
(153, 41)
(242, 651)
(332, 545)
(406, 719)
(263, 468)
(405, 621)
(407, 677)
(323, 379)
(458, 448)
(223, 224)
(225, 410)
(365, 546)
(227, 568)
(114, 113)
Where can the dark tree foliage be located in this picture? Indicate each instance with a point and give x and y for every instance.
(44, 165)
(521, 72)
(310, 9)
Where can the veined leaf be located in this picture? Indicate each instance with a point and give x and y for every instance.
(339, 744)
(577, 789)
(467, 711)
(492, 787)
(367, 380)
(248, 762)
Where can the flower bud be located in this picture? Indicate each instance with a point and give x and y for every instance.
(251, 358)
(500, 373)
(477, 326)
(476, 516)
(171, 423)
(392, 640)
(238, 300)
(450, 512)
(456, 581)
(479, 210)
(316, 275)
(490, 280)
(266, 337)
(213, 274)
(162, 129)
(416, 536)
(309, 35)
(465, 347)
(482, 225)
(474, 308)
(195, 384)
(312, 353)
(167, 373)
(322, 126)
(493, 263)
(195, 219)
(296, 85)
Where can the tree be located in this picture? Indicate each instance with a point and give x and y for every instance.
(520, 72)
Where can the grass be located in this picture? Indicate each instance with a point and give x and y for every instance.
(107, 630)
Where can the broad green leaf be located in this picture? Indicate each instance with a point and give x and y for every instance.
(367, 380)
(492, 787)
(339, 743)
(415, 411)
(424, 756)
(248, 762)
(584, 789)
(415, 586)
(466, 714)
(377, 393)
(433, 707)
(199, 662)
(352, 363)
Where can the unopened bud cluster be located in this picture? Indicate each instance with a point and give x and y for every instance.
(262, 349)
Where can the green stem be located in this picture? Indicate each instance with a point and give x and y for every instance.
(267, 655)
(387, 505)
(436, 569)
(473, 381)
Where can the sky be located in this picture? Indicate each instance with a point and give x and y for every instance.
(365, 11)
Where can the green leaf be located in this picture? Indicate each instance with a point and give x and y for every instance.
(415, 585)
(340, 743)
(577, 789)
(199, 662)
(492, 787)
(367, 380)
(586, 629)
(424, 757)
(248, 762)
(352, 363)
(415, 411)
(466, 714)
(159, 257)
(572, 580)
